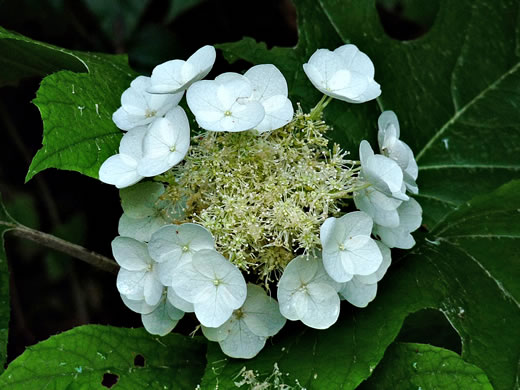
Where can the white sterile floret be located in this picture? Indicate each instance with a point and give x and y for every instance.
(142, 212)
(178, 302)
(383, 173)
(382, 208)
(362, 289)
(397, 150)
(348, 249)
(223, 104)
(245, 333)
(140, 108)
(346, 74)
(307, 293)
(174, 245)
(165, 144)
(121, 169)
(270, 89)
(137, 278)
(410, 217)
(177, 75)
(215, 286)
(163, 318)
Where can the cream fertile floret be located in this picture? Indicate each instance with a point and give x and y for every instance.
(250, 219)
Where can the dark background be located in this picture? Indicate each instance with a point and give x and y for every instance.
(51, 292)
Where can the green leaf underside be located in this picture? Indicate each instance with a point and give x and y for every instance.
(420, 366)
(79, 358)
(22, 57)
(77, 110)
(6, 224)
(456, 90)
(451, 272)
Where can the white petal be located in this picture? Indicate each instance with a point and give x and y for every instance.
(119, 170)
(323, 306)
(410, 214)
(230, 286)
(278, 112)
(241, 343)
(364, 254)
(380, 272)
(381, 208)
(355, 59)
(384, 174)
(153, 289)
(132, 142)
(365, 152)
(171, 242)
(394, 237)
(138, 306)
(178, 302)
(126, 121)
(243, 116)
(212, 311)
(267, 81)
(140, 229)
(165, 144)
(261, 313)
(234, 86)
(359, 294)
(131, 254)
(131, 283)
(387, 119)
(189, 284)
(162, 320)
(203, 60)
(167, 77)
(220, 333)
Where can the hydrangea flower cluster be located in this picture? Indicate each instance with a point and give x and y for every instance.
(255, 205)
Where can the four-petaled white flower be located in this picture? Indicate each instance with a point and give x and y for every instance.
(121, 169)
(142, 214)
(165, 143)
(307, 293)
(383, 173)
(346, 74)
(245, 333)
(215, 286)
(270, 89)
(362, 289)
(174, 245)
(140, 108)
(137, 278)
(348, 249)
(410, 217)
(397, 150)
(177, 75)
(224, 104)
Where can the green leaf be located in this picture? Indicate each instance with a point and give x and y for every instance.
(76, 108)
(22, 57)
(80, 358)
(6, 223)
(456, 90)
(420, 366)
(452, 271)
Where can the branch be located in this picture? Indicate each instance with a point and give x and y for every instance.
(53, 242)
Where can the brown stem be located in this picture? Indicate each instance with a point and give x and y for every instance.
(77, 251)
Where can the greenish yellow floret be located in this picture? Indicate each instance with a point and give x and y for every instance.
(263, 197)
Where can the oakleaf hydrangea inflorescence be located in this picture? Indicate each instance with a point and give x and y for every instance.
(257, 204)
